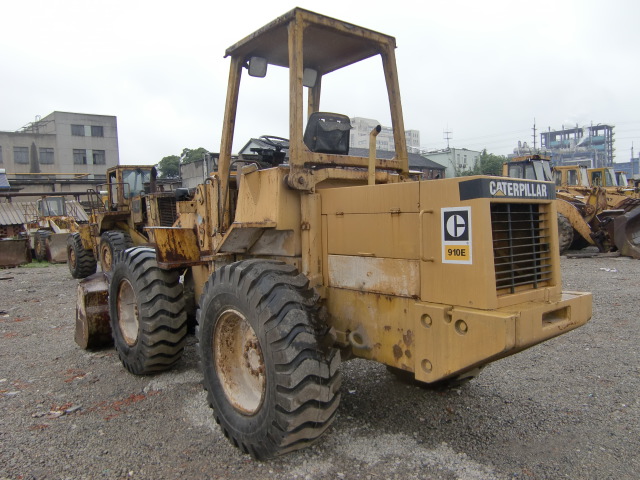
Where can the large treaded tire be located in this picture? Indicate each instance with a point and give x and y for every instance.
(565, 233)
(81, 262)
(112, 243)
(284, 392)
(40, 244)
(146, 306)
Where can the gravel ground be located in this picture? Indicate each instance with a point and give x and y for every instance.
(567, 408)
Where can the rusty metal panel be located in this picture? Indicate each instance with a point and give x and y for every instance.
(175, 246)
(14, 252)
(93, 328)
(262, 197)
(369, 274)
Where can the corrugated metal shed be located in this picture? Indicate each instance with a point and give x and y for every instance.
(11, 214)
(19, 213)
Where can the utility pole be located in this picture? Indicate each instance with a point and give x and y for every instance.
(534, 134)
(446, 136)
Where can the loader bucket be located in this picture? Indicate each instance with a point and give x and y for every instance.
(57, 248)
(626, 233)
(93, 329)
(14, 252)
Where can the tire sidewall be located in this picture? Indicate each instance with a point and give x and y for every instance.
(239, 425)
(106, 242)
(122, 272)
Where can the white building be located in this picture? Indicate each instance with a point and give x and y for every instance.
(361, 129)
(457, 160)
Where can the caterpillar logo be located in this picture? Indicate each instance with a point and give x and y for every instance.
(517, 189)
(503, 188)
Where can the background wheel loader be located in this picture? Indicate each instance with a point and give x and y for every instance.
(304, 260)
(618, 212)
(129, 202)
(584, 216)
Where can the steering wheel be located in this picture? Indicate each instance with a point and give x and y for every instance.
(278, 143)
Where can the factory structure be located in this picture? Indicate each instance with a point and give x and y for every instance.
(591, 145)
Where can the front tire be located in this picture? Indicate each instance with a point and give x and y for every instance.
(271, 374)
(40, 244)
(112, 242)
(146, 306)
(81, 262)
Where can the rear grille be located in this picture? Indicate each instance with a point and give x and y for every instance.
(521, 249)
(167, 211)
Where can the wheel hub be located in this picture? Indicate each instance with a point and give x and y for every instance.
(239, 362)
(128, 314)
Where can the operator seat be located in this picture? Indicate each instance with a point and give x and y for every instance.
(327, 133)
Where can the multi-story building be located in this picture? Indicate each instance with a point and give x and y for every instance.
(456, 160)
(361, 129)
(62, 146)
(591, 145)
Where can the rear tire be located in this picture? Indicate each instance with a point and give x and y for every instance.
(112, 243)
(82, 263)
(565, 233)
(271, 373)
(146, 306)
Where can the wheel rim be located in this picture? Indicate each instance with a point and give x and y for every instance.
(106, 258)
(239, 362)
(128, 318)
(72, 258)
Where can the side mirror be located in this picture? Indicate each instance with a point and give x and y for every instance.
(309, 77)
(257, 67)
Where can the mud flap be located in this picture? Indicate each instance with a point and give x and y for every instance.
(93, 329)
(57, 248)
(626, 236)
(14, 252)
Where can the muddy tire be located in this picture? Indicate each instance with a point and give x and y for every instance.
(112, 243)
(148, 321)
(565, 233)
(446, 384)
(270, 371)
(40, 244)
(81, 262)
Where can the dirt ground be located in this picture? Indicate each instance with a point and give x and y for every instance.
(567, 408)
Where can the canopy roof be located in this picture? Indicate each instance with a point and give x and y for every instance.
(328, 44)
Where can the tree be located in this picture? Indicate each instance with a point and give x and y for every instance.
(488, 164)
(189, 155)
(169, 167)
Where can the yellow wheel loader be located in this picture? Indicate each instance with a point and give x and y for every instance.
(311, 256)
(129, 202)
(617, 216)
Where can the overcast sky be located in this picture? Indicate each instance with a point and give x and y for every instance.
(481, 70)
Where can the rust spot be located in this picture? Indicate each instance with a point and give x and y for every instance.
(387, 328)
(397, 352)
(408, 338)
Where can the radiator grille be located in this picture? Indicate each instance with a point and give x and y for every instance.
(167, 211)
(521, 250)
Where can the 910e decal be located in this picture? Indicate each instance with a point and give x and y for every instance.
(456, 235)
